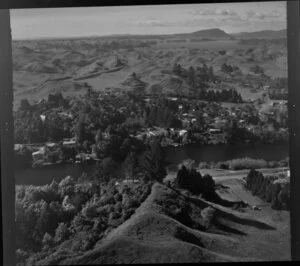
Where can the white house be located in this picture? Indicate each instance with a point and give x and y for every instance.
(214, 130)
(39, 154)
(43, 118)
(18, 147)
(182, 132)
(51, 144)
(69, 143)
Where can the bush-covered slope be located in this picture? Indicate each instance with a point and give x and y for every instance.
(170, 227)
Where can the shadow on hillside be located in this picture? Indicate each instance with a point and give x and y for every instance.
(185, 236)
(216, 199)
(227, 228)
(245, 221)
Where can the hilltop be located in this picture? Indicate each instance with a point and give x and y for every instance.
(211, 33)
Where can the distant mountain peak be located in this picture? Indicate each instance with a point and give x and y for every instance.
(211, 33)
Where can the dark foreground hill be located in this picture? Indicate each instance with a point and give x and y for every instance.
(171, 227)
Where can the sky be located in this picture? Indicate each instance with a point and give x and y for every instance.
(160, 19)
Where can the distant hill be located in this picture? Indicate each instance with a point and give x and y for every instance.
(263, 34)
(211, 33)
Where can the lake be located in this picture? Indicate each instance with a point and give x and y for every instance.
(207, 153)
(175, 155)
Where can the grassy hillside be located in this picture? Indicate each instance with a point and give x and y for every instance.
(170, 227)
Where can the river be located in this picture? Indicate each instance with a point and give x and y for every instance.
(175, 155)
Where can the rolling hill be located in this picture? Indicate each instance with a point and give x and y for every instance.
(41, 66)
(173, 227)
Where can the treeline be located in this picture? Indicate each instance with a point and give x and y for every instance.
(59, 220)
(244, 163)
(198, 79)
(230, 95)
(272, 189)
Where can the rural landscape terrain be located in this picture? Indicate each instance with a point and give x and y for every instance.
(125, 107)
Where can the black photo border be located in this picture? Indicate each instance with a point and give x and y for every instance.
(6, 103)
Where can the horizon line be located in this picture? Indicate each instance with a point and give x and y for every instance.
(130, 34)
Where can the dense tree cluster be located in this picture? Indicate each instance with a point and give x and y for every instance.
(197, 78)
(35, 123)
(227, 68)
(162, 114)
(257, 69)
(192, 180)
(71, 216)
(270, 189)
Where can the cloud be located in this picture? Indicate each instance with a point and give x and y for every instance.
(225, 12)
(263, 15)
(154, 23)
(213, 12)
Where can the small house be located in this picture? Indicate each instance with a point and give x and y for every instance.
(69, 143)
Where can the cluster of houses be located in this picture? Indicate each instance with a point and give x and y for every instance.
(39, 150)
